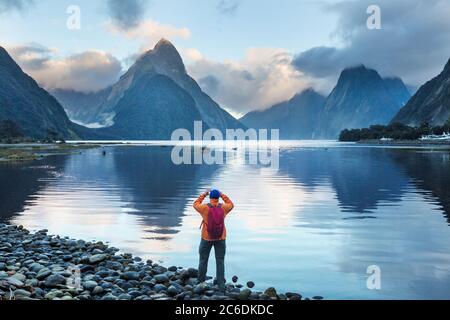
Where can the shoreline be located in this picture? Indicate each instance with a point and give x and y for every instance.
(406, 143)
(38, 266)
(24, 152)
(35, 151)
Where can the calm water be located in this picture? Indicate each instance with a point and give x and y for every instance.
(313, 226)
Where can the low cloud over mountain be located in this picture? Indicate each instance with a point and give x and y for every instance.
(87, 71)
(400, 48)
(262, 78)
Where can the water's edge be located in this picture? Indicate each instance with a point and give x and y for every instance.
(57, 268)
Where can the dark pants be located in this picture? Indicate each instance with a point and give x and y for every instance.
(219, 250)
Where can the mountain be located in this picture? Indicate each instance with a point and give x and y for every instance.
(361, 98)
(430, 104)
(152, 109)
(296, 118)
(398, 89)
(82, 107)
(33, 110)
(154, 97)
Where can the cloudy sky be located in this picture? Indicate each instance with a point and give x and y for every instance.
(247, 54)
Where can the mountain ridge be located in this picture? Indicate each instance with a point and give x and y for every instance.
(360, 98)
(295, 118)
(164, 60)
(36, 112)
(430, 104)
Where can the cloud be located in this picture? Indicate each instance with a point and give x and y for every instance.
(228, 7)
(14, 5)
(32, 56)
(210, 84)
(265, 76)
(414, 42)
(127, 14)
(191, 54)
(149, 32)
(87, 71)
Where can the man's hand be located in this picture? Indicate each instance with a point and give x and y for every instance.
(206, 193)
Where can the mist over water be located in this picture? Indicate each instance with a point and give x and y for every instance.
(312, 226)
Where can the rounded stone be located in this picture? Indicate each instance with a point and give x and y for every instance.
(97, 258)
(90, 285)
(54, 280)
(161, 278)
(244, 294)
(159, 287)
(21, 292)
(109, 297)
(124, 296)
(43, 273)
(19, 276)
(271, 292)
(130, 275)
(172, 291)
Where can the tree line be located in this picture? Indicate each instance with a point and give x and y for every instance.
(395, 131)
(10, 132)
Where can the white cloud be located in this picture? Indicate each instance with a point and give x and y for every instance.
(191, 55)
(265, 76)
(149, 32)
(87, 71)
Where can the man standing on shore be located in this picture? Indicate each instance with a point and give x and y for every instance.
(214, 233)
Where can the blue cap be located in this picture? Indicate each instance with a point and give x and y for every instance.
(214, 194)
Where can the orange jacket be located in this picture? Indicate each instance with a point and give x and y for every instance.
(203, 209)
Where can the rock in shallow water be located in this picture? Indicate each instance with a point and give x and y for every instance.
(37, 266)
(271, 292)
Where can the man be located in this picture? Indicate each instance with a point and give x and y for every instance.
(213, 233)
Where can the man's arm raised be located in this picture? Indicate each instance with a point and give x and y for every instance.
(198, 204)
(228, 204)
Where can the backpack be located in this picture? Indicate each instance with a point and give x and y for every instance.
(216, 222)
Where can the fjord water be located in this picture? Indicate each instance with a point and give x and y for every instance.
(313, 226)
